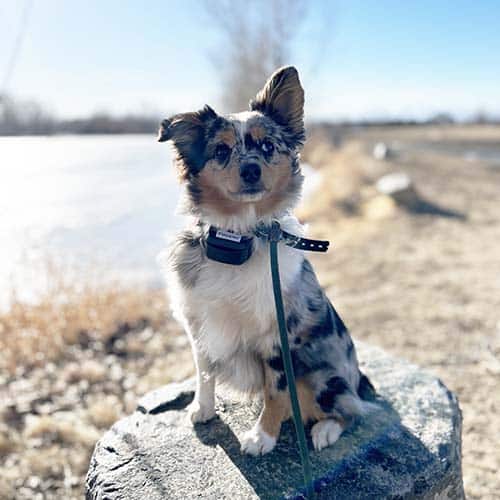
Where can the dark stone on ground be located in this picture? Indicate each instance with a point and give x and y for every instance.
(401, 189)
(409, 449)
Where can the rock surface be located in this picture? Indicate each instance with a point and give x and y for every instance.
(400, 187)
(408, 449)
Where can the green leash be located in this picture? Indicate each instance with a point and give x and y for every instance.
(274, 237)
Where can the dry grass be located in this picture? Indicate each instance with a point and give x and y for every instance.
(77, 306)
(72, 364)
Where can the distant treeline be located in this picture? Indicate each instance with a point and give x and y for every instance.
(30, 118)
(480, 118)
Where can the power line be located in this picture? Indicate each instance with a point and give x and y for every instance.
(16, 48)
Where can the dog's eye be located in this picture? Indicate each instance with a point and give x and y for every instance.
(267, 146)
(222, 152)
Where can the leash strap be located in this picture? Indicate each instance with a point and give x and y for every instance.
(275, 235)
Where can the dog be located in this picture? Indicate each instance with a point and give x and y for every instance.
(239, 172)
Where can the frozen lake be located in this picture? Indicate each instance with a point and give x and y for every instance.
(95, 199)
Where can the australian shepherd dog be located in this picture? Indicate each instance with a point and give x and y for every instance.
(240, 171)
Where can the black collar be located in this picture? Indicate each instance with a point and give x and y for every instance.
(233, 248)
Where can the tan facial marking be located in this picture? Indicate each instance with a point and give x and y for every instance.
(257, 132)
(227, 136)
(214, 183)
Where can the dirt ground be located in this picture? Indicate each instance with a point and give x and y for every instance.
(423, 287)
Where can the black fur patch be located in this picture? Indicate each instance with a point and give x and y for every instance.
(350, 348)
(340, 328)
(306, 267)
(312, 305)
(300, 367)
(325, 326)
(327, 398)
(292, 322)
(281, 385)
(366, 390)
(276, 363)
(249, 142)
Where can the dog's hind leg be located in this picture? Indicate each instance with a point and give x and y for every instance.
(202, 408)
(340, 404)
(325, 432)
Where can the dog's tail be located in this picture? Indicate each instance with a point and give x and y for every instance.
(350, 403)
(361, 403)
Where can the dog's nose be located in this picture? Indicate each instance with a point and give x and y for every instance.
(250, 172)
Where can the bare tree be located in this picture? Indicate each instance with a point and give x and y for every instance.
(256, 38)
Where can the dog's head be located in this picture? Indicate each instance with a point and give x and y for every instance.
(246, 162)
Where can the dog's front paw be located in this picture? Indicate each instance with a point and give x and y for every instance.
(256, 441)
(199, 413)
(324, 433)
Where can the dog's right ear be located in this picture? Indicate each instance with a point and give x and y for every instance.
(282, 99)
(187, 133)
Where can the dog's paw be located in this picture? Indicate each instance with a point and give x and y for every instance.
(199, 413)
(324, 433)
(256, 441)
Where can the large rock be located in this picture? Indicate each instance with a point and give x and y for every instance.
(409, 449)
(399, 187)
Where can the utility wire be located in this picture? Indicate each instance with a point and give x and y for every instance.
(16, 48)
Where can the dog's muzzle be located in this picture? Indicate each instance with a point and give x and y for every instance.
(250, 173)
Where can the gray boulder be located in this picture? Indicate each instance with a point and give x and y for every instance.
(408, 449)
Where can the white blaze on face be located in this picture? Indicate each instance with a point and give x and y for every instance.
(240, 122)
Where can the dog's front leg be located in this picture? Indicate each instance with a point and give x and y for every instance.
(262, 437)
(202, 408)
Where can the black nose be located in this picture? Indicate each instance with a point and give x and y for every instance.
(250, 172)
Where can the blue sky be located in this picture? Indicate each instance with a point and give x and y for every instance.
(382, 59)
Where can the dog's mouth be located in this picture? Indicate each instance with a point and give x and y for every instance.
(249, 193)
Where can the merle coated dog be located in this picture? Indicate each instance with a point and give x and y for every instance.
(240, 171)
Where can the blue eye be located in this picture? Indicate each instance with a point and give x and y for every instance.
(267, 147)
(222, 152)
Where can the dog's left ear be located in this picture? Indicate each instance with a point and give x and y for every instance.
(282, 99)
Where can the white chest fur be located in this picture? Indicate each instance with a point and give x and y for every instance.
(240, 313)
(232, 307)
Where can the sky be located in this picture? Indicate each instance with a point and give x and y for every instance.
(375, 59)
